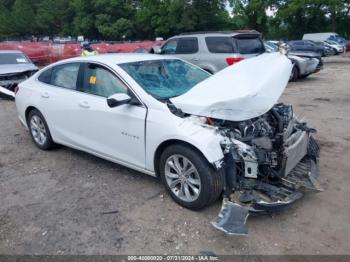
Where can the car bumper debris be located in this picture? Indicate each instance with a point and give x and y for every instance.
(270, 162)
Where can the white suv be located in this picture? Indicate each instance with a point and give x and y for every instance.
(213, 51)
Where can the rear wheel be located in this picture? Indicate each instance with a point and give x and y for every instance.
(39, 131)
(189, 178)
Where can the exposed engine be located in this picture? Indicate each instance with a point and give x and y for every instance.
(267, 135)
(268, 160)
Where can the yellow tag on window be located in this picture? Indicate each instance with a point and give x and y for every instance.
(92, 80)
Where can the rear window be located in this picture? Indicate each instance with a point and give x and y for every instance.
(13, 59)
(221, 45)
(250, 46)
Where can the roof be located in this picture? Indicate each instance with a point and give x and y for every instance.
(10, 52)
(222, 32)
(120, 58)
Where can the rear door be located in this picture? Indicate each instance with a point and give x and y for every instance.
(57, 99)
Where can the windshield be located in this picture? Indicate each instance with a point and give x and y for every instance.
(12, 59)
(167, 78)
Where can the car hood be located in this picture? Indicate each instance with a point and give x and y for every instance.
(304, 54)
(240, 92)
(17, 68)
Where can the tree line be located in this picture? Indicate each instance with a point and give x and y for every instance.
(147, 19)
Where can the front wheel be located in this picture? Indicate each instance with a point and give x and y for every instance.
(189, 178)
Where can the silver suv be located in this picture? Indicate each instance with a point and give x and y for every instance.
(213, 51)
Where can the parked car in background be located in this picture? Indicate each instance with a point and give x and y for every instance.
(213, 51)
(320, 36)
(304, 63)
(306, 45)
(328, 50)
(15, 67)
(338, 48)
(328, 36)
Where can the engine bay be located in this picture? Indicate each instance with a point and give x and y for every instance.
(269, 161)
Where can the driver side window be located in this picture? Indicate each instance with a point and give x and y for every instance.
(102, 82)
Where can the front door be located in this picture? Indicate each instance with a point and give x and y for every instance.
(116, 133)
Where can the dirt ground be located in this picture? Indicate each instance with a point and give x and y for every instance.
(68, 202)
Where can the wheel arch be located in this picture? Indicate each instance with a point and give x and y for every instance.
(31, 108)
(28, 110)
(160, 149)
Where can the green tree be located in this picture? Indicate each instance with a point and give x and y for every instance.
(251, 14)
(23, 18)
(84, 18)
(54, 17)
(6, 29)
(297, 17)
(114, 18)
(169, 17)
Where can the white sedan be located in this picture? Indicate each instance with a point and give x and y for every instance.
(203, 135)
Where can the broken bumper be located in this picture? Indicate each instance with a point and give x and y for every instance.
(260, 195)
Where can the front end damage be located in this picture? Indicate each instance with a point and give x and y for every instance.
(10, 80)
(269, 162)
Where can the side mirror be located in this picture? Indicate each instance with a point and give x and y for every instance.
(118, 100)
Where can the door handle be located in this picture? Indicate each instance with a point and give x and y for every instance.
(84, 104)
(195, 59)
(45, 95)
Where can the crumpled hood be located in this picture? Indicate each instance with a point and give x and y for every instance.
(17, 68)
(305, 54)
(240, 92)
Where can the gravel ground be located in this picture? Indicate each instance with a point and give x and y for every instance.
(69, 202)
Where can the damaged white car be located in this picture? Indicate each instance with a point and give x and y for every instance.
(203, 135)
(15, 67)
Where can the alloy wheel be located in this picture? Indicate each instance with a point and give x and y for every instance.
(182, 178)
(38, 130)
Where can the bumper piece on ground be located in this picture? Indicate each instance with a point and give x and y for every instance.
(232, 219)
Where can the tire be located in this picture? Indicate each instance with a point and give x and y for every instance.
(304, 76)
(209, 182)
(39, 131)
(295, 74)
